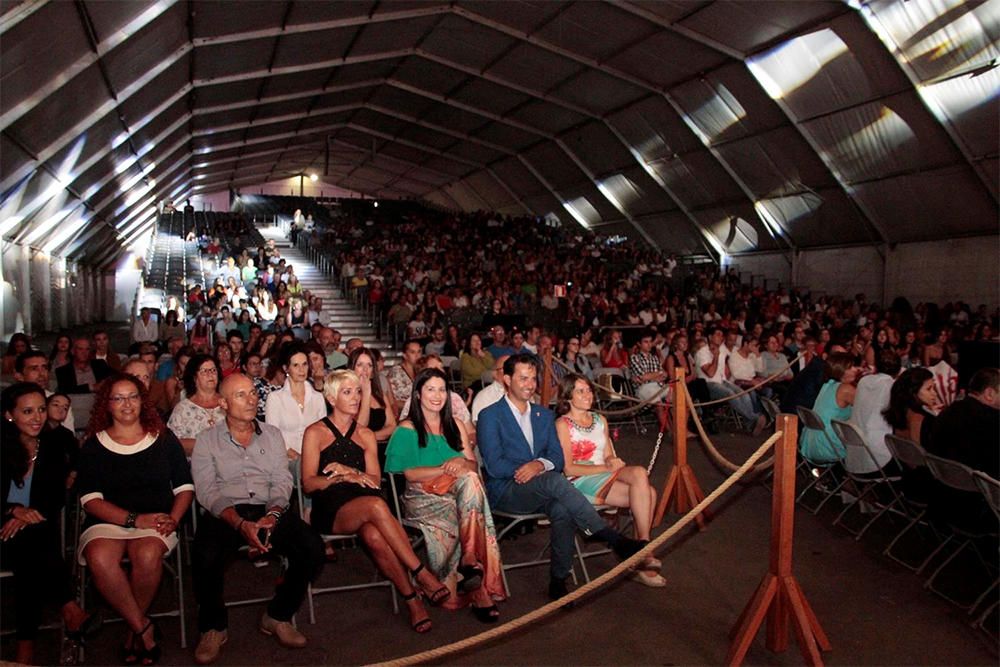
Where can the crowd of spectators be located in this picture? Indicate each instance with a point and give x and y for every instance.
(473, 296)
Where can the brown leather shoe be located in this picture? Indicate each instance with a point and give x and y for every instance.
(286, 633)
(209, 646)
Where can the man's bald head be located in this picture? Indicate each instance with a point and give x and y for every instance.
(234, 382)
(239, 399)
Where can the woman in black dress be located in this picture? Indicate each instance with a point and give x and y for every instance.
(33, 476)
(340, 471)
(135, 485)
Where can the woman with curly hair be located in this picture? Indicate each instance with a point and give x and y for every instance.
(135, 485)
(201, 406)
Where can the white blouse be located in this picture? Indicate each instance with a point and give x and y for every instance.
(283, 411)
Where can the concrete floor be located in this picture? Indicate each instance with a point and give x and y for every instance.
(874, 611)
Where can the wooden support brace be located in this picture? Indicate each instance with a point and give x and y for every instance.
(779, 597)
(681, 489)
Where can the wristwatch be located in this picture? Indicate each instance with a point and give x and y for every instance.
(130, 520)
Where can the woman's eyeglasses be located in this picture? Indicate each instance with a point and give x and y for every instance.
(131, 398)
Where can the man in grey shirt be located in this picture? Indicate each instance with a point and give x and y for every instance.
(242, 479)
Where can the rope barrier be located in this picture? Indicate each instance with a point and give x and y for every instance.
(710, 448)
(747, 390)
(594, 584)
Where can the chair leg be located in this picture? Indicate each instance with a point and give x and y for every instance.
(929, 584)
(580, 557)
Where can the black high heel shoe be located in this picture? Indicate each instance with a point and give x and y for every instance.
(436, 597)
(472, 576)
(423, 625)
(148, 656)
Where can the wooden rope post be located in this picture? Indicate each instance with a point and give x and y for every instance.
(681, 489)
(779, 597)
(545, 391)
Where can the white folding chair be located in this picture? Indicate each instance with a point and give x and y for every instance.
(864, 486)
(821, 475)
(328, 538)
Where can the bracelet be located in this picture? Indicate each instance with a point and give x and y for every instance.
(275, 513)
(130, 520)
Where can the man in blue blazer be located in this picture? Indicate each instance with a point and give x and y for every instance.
(524, 463)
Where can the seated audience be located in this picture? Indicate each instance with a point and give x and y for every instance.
(835, 401)
(595, 469)
(711, 364)
(83, 373)
(103, 352)
(135, 486)
(242, 479)
(913, 405)
(36, 464)
(373, 413)
(32, 366)
(296, 405)
(340, 471)
(966, 431)
(491, 393)
(475, 361)
(446, 497)
(870, 402)
(524, 461)
(61, 355)
(201, 406)
(401, 375)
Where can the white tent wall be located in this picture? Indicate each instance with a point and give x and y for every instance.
(41, 292)
(939, 271)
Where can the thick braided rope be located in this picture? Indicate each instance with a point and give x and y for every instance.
(754, 387)
(711, 449)
(621, 568)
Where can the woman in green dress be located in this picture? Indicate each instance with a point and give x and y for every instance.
(445, 496)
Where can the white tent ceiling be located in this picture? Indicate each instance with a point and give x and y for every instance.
(734, 126)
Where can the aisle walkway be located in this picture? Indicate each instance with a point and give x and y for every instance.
(338, 312)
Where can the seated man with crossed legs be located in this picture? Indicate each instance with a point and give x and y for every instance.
(524, 463)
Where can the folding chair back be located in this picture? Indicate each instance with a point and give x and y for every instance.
(852, 438)
(990, 489)
(953, 474)
(810, 419)
(908, 453)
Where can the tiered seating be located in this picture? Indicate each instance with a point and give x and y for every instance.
(173, 262)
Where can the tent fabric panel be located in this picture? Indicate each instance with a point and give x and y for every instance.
(557, 168)
(818, 218)
(490, 190)
(653, 128)
(467, 42)
(637, 192)
(396, 98)
(80, 97)
(147, 48)
(696, 179)
(598, 92)
(450, 117)
(484, 95)
(745, 27)
(922, 206)
(939, 38)
(474, 152)
(595, 30)
(305, 13)
(215, 61)
(532, 67)
(19, 52)
(547, 118)
(110, 17)
(670, 231)
(430, 76)
(506, 135)
(969, 105)
(303, 48)
(881, 138)
(380, 37)
(527, 18)
(653, 59)
(517, 177)
(719, 223)
(778, 162)
(214, 18)
(598, 148)
(734, 88)
(605, 209)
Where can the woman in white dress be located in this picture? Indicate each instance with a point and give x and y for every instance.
(592, 465)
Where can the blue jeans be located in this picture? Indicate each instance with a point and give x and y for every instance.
(552, 494)
(744, 405)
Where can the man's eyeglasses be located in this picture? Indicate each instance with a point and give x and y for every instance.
(131, 398)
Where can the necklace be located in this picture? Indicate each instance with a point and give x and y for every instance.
(581, 427)
(38, 444)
